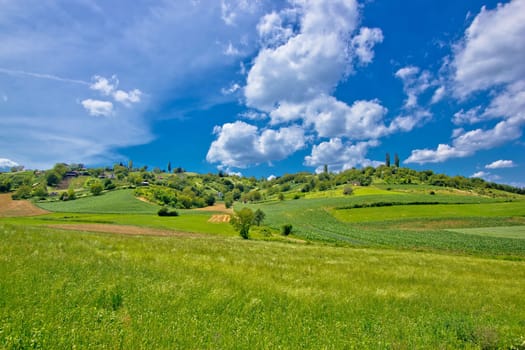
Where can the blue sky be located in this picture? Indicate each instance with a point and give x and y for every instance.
(265, 87)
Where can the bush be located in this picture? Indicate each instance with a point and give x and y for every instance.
(96, 188)
(348, 190)
(166, 212)
(287, 229)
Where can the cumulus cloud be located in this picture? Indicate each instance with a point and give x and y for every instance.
(127, 98)
(309, 63)
(364, 42)
(306, 50)
(104, 85)
(234, 87)
(487, 60)
(489, 55)
(340, 156)
(98, 108)
(7, 163)
(240, 144)
(232, 9)
(486, 176)
(498, 164)
(108, 87)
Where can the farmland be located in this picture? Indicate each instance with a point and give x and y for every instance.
(389, 266)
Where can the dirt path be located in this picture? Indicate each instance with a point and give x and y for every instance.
(10, 208)
(122, 229)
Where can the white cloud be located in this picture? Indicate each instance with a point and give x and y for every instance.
(489, 60)
(127, 98)
(364, 43)
(231, 10)
(470, 116)
(108, 87)
(438, 95)
(480, 174)
(240, 144)
(415, 82)
(253, 115)
(273, 30)
(234, 87)
(498, 164)
(104, 85)
(490, 53)
(486, 176)
(98, 108)
(309, 63)
(7, 163)
(340, 156)
(231, 50)
(466, 143)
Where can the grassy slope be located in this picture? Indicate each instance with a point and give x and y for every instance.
(60, 290)
(313, 219)
(122, 201)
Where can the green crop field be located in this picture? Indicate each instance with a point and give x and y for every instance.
(64, 289)
(122, 201)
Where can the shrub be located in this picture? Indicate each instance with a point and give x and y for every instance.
(348, 190)
(164, 211)
(96, 188)
(287, 229)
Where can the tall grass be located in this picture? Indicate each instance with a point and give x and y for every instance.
(63, 290)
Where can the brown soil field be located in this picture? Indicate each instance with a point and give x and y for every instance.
(219, 218)
(10, 207)
(218, 207)
(122, 229)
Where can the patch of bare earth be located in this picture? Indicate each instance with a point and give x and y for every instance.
(219, 218)
(10, 207)
(122, 229)
(220, 207)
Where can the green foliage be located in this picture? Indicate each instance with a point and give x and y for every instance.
(242, 220)
(23, 192)
(286, 229)
(5, 185)
(40, 191)
(164, 211)
(258, 217)
(348, 190)
(53, 178)
(96, 188)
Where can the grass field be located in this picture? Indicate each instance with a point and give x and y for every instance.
(402, 212)
(63, 290)
(122, 201)
(440, 276)
(501, 232)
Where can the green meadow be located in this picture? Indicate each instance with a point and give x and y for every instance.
(61, 289)
(393, 268)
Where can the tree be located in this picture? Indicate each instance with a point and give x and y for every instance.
(169, 167)
(242, 220)
(396, 160)
(387, 159)
(96, 188)
(130, 165)
(348, 190)
(258, 217)
(325, 169)
(53, 178)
